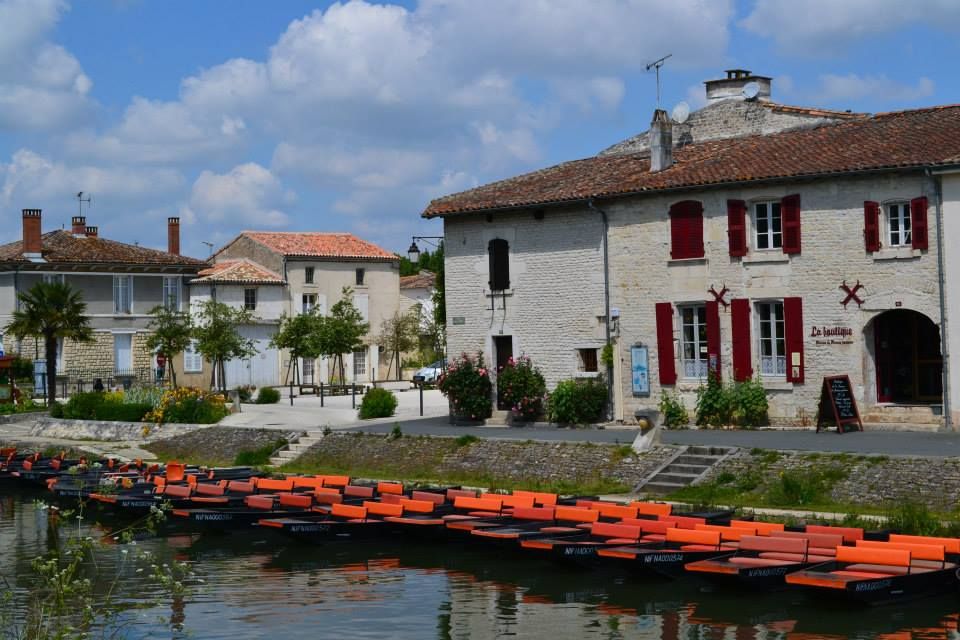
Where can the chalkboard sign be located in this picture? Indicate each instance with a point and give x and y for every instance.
(838, 406)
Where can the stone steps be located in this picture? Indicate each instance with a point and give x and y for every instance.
(684, 469)
(295, 449)
(499, 417)
(904, 414)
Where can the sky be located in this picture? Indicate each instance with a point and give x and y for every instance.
(351, 116)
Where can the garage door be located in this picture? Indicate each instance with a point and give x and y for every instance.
(261, 370)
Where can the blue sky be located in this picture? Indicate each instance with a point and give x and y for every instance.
(351, 116)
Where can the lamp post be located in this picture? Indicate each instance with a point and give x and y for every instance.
(413, 253)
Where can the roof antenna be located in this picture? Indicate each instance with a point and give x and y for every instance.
(209, 245)
(81, 200)
(655, 65)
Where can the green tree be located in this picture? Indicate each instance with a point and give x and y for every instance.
(342, 331)
(302, 336)
(217, 332)
(171, 333)
(399, 334)
(51, 311)
(440, 297)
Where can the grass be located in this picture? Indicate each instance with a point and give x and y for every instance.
(260, 456)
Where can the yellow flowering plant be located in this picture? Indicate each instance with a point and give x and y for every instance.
(189, 405)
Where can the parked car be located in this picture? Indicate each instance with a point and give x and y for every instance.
(431, 372)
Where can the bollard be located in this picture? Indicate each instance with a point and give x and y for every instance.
(321, 394)
(353, 395)
(291, 394)
(421, 398)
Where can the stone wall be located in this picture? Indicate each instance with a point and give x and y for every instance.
(46, 427)
(86, 356)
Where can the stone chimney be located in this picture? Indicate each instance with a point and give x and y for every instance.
(661, 141)
(173, 236)
(92, 232)
(79, 225)
(32, 243)
(731, 87)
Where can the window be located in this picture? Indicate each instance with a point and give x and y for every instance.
(773, 352)
(693, 341)
(122, 294)
(498, 251)
(767, 225)
(898, 225)
(359, 364)
(308, 275)
(686, 230)
(171, 293)
(309, 302)
(122, 353)
(362, 303)
(308, 370)
(250, 299)
(192, 360)
(587, 360)
(53, 277)
(360, 274)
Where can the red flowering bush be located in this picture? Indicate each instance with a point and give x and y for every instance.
(521, 387)
(466, 383)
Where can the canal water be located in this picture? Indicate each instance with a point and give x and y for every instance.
(257, 585)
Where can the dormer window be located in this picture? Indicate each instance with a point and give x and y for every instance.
(499, 254)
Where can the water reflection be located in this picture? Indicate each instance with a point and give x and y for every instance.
(258, 585)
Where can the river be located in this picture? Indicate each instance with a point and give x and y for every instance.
(259, 585)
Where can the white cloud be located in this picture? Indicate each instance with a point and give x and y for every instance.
(248, 194)
(42, 85)
(818, 28)
(877, 88)
(370, 168)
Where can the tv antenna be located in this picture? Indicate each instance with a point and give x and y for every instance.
(655, 65)
(209, 245)
(81, 200)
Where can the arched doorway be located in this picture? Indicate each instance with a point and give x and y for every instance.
(909, 363)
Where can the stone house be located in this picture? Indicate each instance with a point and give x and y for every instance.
(119, 282)
(277, 273)
(756, 240)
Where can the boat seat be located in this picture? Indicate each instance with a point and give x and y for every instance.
(699, 547)
(210, 499)
(887, 569)
(760, 562)
(415, 520)
(823, 551)
(561, 530)
(859, 575)
(620, 541)
(482, 514)
(795, 557)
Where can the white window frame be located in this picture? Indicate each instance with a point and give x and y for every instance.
(308, 370)
(171, 290)
(772, 350)
(581, 364)
(359, 364)
(122, 304)
(256, 295)
(695, 366)
(308, 301)
(770, 235)
(117, 368)
(898, 211)
(54, 277)
(192, 359)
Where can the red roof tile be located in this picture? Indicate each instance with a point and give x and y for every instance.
(320, 245)
(240, 271)
(422, 280)
(62, 247)
(903, 139)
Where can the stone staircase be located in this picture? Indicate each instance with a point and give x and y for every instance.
(915, 416)
(498, 418)
(687, 466)
(295, 448)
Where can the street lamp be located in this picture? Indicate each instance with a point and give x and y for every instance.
(413, 253)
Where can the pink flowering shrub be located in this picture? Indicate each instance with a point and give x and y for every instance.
(521, 387)
(466, 383)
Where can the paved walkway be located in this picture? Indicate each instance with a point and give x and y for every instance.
(440, 426)
(891, 443)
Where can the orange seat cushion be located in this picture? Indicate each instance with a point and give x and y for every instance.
(759, 562)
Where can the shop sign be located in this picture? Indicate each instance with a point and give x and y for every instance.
(640, 371)
(831, 335)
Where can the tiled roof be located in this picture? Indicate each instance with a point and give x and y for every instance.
(902, 139)
(62, 247)
(241, 271)
(422, 280)
(320, 245)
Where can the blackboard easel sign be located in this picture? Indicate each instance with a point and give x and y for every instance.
(838, 406)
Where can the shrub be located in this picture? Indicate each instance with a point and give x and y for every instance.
(83, 406)
(188, 405)
(143, 395)
(714, 403)
(674, 412)
(913, 518)
(56, 410)
(266, 395)
(94, 405)
(377, 403)
(245, 391)
(521, 387)
(22, 369)
(578, 401)
(750, 403)
(742, 403)
(122, 411)
(466, 440)
(466, 383)
(259, 456)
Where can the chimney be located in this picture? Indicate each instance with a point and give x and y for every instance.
(661, 141)
(79, 225)
(31, 232)
(92, 232)
(732, 87)
(173, 236)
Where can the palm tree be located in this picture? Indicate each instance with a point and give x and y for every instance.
(51, 311)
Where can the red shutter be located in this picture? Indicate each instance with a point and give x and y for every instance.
(713, 338)
(665, 353)
(686, 230)
(918, 222)
(793, 337)
(740, 325)
(737, 227)
(790, 217)
(871, 225)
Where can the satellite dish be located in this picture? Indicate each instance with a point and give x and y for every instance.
(751, 90)
(680, 112)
